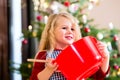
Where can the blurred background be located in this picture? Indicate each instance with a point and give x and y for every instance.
(22, 22)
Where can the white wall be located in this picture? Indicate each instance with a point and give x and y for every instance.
(104, 13)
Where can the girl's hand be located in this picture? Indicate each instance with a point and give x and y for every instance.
(50, 65)
(103, 49)
(106, 56)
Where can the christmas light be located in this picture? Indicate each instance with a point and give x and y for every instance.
(84, 18)
(111, 25)
(109, 46)
(30, 28)
(45, 19)
(36, 4)
(90, 6)
(54, 7)
(45, 5)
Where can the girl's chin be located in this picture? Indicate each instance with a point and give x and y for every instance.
(70, 43)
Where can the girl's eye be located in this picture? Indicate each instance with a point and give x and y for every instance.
(72, 29)
(64, 28)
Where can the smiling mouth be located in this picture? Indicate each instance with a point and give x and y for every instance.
(69, 37)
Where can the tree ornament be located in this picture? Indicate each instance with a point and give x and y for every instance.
(100, 36)
(116, 67)
(87, 29)
(114, 73)
(118, 73)
(73, 8)
(25, 41)
(39, 17)
(29, 66)
(67, 3)
(115, 56)
(34, 34)
(115, 38)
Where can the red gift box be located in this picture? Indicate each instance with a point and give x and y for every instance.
(80, 60)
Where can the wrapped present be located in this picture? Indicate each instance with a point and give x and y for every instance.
(80, 60)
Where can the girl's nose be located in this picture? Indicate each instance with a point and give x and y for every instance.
(70, 31)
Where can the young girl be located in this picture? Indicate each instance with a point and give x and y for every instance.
(60, 31)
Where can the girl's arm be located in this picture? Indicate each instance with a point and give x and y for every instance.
(104, 68)
(105, 64)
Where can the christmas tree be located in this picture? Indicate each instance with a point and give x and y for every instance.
(78, 8)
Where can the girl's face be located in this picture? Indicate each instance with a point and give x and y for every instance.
(64, 33)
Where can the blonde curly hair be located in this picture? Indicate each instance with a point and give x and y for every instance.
(47, 41)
